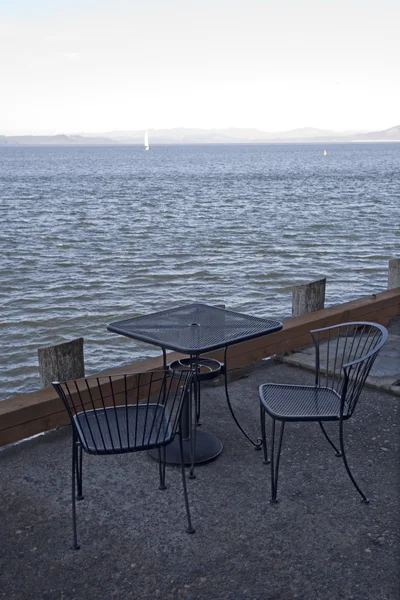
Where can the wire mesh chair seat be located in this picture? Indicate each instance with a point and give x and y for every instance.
(122, 429)
(344, 356)
(286, 402)
(125, 413)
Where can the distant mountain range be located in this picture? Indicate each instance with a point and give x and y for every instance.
(205, 136)
(54, 140)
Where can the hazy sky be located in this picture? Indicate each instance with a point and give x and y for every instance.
(100, 65)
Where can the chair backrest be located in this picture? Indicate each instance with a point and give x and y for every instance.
(125, 413)
(345, 354)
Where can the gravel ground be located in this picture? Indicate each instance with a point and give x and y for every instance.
(319, 542)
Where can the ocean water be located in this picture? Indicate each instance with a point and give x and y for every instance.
(90, 235)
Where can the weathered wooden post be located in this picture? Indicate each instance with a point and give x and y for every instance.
(308, 297)
(61, 362)
(394, 273)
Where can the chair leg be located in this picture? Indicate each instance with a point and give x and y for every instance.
(264, 434)
(79, 495)
(363, 496)
(189, 528)
(161, 467)
(275, 464)
(337, 452)
(75, 545)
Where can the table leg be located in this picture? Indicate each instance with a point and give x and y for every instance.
(198, 446)
(258, 442)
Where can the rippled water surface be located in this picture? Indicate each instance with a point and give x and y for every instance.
(92, 235)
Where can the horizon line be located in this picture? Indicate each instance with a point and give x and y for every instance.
(81, 133)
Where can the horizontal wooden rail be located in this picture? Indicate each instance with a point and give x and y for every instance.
(28, 414)
(379, 308)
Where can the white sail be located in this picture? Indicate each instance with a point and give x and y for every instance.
(146, 140)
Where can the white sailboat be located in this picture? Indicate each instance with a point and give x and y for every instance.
(146, 140)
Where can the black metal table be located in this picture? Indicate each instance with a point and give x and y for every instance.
(196, 329)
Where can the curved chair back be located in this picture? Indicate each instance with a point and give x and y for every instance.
(125, 413)
(345, 354)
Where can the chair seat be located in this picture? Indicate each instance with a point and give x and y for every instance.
(300, 403)
(124, 428)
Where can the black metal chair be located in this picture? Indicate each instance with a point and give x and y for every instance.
(344, 355)
(125, 413)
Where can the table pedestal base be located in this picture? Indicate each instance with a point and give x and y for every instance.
(207, 448)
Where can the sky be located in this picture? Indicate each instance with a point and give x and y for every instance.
(69, 66)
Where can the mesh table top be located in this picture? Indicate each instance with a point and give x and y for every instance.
(194, 328)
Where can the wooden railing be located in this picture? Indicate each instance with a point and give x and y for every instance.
(39, 411)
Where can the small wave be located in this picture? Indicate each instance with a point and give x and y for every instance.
(244, 225)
